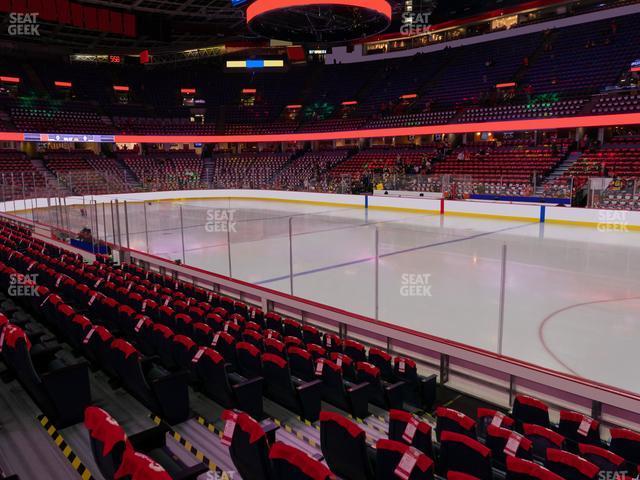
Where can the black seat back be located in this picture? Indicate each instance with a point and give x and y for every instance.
(344, 447)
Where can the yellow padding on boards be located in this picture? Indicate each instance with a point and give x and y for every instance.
(66, 450)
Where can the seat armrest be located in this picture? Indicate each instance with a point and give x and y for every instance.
(359, 399)
(150, 439)
(191, 473)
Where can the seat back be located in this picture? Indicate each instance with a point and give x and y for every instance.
(451, 420)
(625, 443)
(542, 439)
(530, 410)
(249, 362)
(293, 464)
(578, 427)
(606, 460)
(247, 445)
(183, 351)
(488, 416)
(344, 447)
(108, 440)
(399, 460)
(301, 363)
(355, 350)
(462, 454)
(504, 442)
(210, 367)
(407, 428)
(570, 466)
(383, 361)
(138, 466)
(521, 469)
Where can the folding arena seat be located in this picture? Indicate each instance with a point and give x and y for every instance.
(232, 329)
(345, 448)
(215, 321)
(113, 450)
(274, 346)
(383, 361)
(97, 348)
(290, 341)
(230, 390)
(236, 318)
(256, 314)
(225, 345)
(227, 303)
(465, 455)
(570, 466)
(108, 440)
(242, 309)
(138, 466)
(488, 416)
(503, 442)
(340, 392)
(182, 324)
(301, 363)
(355, 350)
(419, 391)
(221, 312)
(407, 428)
(543, 439)
(520, 469)
(605, 460)
(451, 420)
(61, 390)
(165, 394)
(143, 334)
(183, 351)
(530, 410)
(196, 313)
(332, 342)
(269, 333)
(254, 338)
(292, 328)
(249, 360)
(317, 351)
(248, 445)
(77, 329)
(311, 334)
(292, 464)
(165, 315)
(399, 460)
(381, 393)
(625, 443)
(299, 396)
(202, 333)
(579, 428)
(162, 337)
(273, 321)
(346, 364)
(254, 326)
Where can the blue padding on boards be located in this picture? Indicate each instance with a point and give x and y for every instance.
(543, 212)
(366, 201)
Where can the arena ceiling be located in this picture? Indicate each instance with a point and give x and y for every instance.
(171, 25)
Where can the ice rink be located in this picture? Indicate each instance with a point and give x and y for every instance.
(572, 294)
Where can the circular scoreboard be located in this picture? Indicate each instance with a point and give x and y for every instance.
(318, 21)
